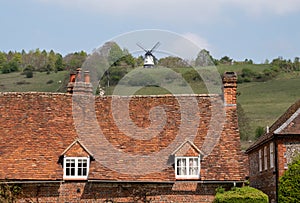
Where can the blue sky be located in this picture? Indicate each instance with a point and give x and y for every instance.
(253, 29)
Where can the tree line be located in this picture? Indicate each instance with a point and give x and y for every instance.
(50, 61)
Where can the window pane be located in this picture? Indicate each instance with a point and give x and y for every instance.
(72, 163)
(67, 171)
(181, 166)
(72, 172)
(70, 167)
(193, 166)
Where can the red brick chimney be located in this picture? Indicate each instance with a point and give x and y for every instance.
(229, 88)
(79, 84)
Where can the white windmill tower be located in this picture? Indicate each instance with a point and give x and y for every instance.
(149, 58)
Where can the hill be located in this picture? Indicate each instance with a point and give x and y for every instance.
(40, 82)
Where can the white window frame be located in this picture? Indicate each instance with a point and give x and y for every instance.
(187, 167)
(272, 157)
(265, 158)
(76, 160)
(260, 160)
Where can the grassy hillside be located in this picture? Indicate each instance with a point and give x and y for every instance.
(264, 102)
(40, 82)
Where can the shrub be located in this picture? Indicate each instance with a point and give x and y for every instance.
(50, 81)
(259, 131)
(191, 76)
(289, 183)
(29, 74)
(242, 195)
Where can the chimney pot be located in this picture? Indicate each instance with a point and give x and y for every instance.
(87, 76)
(78, 74)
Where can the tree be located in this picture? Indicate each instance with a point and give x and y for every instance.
(289, 183)
(59, 65)
(75, 60)
(259, 131)
(243, 123)
(11, 66)
(3, 60)
(225, 60)
(139, 61)
(173, 62)
(115, 53)
(204, 59)
(297, 63)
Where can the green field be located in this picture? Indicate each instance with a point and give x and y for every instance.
(40, 82)
(264, 102)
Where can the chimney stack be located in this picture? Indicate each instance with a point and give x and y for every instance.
(229, 88)
(76, 84)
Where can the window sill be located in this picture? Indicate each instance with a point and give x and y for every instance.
(75, 178)
(187, 177)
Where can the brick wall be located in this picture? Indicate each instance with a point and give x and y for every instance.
(288, 148)
(84, 192)
(264, 180)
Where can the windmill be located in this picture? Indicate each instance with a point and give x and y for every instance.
(149, 58)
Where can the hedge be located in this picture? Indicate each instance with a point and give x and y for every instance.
(241, 195)
(289, 183)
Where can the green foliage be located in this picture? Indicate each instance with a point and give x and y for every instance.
(243, 122)
(220, 190)
(59, 64)
(3, 60)
(204, 59)
(225, 60)
(191, 75)
(241, 195)
(259, 131)
(29, 74)
(113, 75)
(172, 62)
(11, 66)
(9, 192)
(289, 183)
(115, 53)
(72, 61)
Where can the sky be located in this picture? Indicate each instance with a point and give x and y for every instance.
(240, 29)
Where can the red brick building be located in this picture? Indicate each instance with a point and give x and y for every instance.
(79, 148)
(270, 155)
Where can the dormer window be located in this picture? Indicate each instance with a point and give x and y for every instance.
(76, 167)
(187, 167)
(187, 161)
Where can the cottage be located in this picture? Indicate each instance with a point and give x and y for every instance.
(270, 155)
(76, 147)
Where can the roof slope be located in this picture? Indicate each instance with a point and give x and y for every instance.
(286, 124)
(37, 128)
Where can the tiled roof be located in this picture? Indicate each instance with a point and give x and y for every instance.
(288, 123)
(37, 128)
